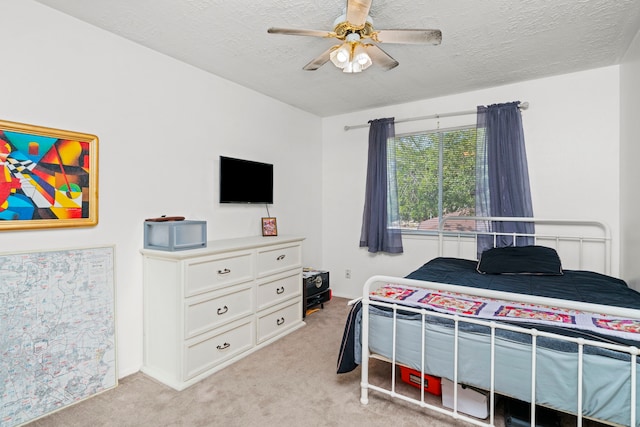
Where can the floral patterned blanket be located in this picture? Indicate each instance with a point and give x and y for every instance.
(494, 309)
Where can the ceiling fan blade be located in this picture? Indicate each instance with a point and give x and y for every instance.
(380, 57)
(409, 36)
(357, 11)
(320, 60)
(296, 32)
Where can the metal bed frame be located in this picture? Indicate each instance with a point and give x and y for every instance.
(603, 238)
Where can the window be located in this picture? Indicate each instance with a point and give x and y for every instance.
(436, 176)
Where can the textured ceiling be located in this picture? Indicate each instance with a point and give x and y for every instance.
(485, 43)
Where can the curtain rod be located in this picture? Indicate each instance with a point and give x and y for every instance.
(522, 106)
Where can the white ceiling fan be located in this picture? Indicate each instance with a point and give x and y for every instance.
(359, 48)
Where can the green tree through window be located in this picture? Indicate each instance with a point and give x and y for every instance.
(435, 174)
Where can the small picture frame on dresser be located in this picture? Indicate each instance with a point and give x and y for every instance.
(269, 227)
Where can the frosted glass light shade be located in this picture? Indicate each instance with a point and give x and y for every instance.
(361, 57)
(341, 56)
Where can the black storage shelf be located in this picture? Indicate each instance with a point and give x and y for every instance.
(316, 290)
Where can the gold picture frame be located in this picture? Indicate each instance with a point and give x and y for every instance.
(269, 227)
(48, 177)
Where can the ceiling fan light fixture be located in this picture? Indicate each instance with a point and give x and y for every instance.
(351, 57)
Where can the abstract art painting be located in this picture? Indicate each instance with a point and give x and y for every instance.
(48, 177)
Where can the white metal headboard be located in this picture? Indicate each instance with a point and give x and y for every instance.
(581, 244)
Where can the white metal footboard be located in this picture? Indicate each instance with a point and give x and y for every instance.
(377, 281)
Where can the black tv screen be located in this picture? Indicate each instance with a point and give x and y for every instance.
(245, 181)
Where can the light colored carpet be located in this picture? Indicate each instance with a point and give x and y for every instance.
(292, 382)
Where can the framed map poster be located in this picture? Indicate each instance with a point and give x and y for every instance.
(48, 177)
(57, 330)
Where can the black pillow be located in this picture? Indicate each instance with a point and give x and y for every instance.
(539, 260)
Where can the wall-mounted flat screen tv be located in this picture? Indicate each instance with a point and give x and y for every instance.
(245, 181)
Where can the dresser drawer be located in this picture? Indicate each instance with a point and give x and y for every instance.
(279, 288)
(279, 258)
(209, 311)
(207, 274)
(207, 351)
(276, 322)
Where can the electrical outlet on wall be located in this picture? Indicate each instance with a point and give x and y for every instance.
(347, 273)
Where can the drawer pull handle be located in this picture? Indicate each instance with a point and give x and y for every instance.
(280, 290)
(225, 271)
(280, 321)
(224, 346)
(280, 258)
(222, 310)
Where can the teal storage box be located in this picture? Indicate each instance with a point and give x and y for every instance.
(175, 235)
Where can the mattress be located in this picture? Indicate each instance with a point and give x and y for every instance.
(574, 285)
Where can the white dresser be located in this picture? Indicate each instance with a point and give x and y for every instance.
(206, 308)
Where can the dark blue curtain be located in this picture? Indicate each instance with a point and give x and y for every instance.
(502, 176)
(378, 233)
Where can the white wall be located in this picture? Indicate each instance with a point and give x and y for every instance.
(629, 164)
(162, 125)
(572, 138)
